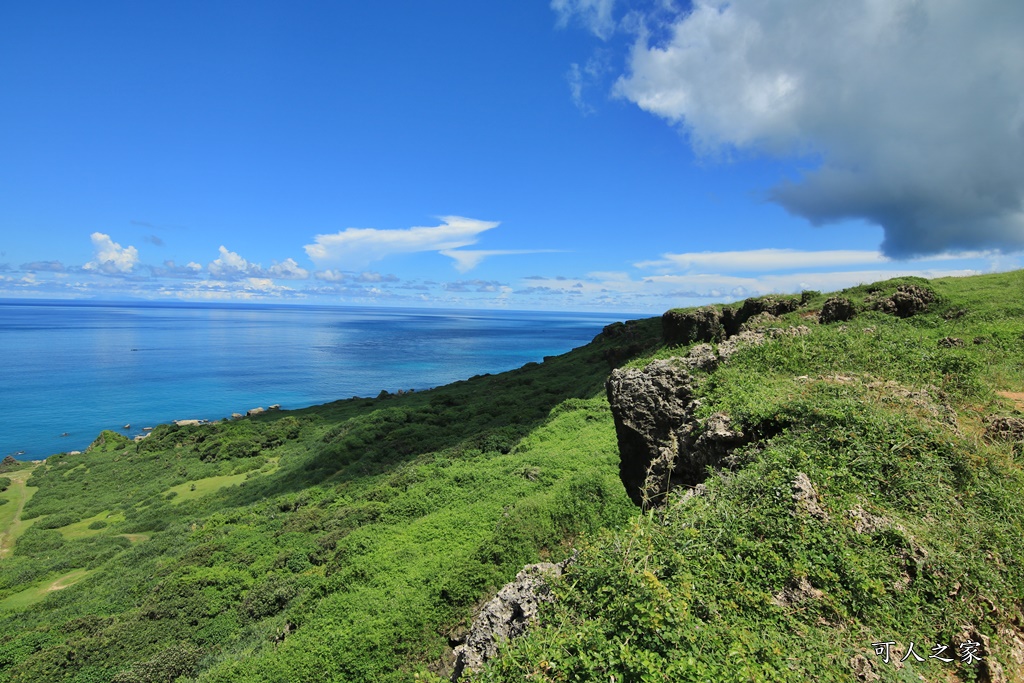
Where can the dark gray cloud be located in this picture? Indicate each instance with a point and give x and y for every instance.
(153, 239)
(912, 109)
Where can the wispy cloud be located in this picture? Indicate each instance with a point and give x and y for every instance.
(357, 247)
(595, 15)
(760, 260)
(468, 259)
(43, 267)
(171, 270)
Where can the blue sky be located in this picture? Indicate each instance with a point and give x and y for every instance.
(571, 155)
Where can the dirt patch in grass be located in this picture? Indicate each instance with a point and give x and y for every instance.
(1016, 396)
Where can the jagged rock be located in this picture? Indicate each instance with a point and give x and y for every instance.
(506, 616)
(701, 325)
(806, 497)
(768, 304)
(662, 445)
(187, 423)
(836, 309)
(1005, 428)
(701, 357)
(255, 411)
(736, 342)
(908, 300)
(950, 342)
(759, 321)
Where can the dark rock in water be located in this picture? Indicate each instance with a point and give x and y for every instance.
(701, 325)
(662, 444)
(836, 309)
(506, 616)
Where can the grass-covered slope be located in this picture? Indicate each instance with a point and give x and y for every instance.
(354, 541)
(345, 542)
(912, 529)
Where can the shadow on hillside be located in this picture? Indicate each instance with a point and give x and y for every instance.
(486, 413)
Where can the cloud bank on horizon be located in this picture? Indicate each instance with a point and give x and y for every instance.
(913, 110)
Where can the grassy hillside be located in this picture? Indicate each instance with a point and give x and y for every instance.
(913, 531)
(345, 542)
(353, 541)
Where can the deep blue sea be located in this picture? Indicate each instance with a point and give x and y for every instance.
(77, 368)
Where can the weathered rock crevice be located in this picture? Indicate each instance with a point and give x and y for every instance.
(663, 444)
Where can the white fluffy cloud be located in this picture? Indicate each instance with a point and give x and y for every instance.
(288, 270)
(914, 107)
(230, 265)
(110, 257)
(357, 247)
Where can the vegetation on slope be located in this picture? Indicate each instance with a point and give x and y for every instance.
(353, 541)
(346, 542)
(912, 531)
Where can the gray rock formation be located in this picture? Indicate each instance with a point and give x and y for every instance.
(700, 325)
(506, 616)
(662, 444)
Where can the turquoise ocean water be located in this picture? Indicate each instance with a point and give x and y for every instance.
(78, 368)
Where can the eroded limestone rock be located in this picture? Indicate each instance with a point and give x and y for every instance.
(506, 616)
(662, 445)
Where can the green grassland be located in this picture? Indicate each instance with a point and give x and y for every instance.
(353, 541)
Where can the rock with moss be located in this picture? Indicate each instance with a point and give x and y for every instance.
(836, 309)
(687, 327)
(906, 301)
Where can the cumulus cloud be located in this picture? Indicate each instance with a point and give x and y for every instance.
(913, 108)
(595, 15)
(288, 270)
(357, 247)
(230, 266)
(330, 275)
(110, 257)
(468, 259)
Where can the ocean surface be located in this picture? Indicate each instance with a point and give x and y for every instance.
(77, 368)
